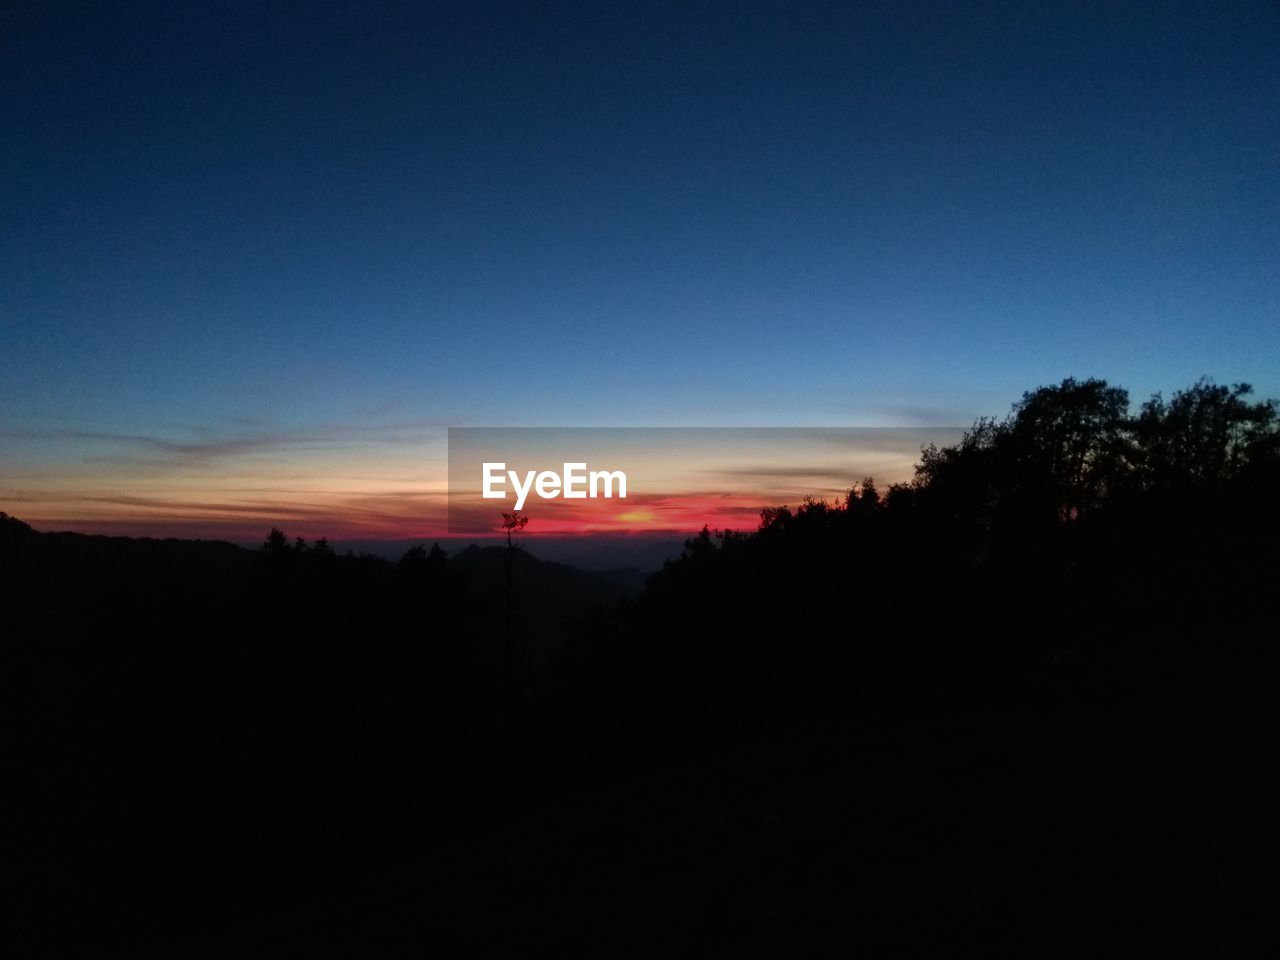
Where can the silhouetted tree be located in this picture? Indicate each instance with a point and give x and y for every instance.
(1202, 437)
(1065, 445)
(276, 542)
(414, 557)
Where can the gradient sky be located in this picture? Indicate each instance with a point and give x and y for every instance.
(678, 479)
(260, 254)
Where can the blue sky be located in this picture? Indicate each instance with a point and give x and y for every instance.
(238, 218)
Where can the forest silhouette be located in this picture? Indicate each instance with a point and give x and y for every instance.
(1017, 703)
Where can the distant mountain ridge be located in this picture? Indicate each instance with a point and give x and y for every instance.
(550, 576)
(109, 554)
(596, 553)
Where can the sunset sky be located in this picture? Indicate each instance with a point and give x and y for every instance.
(255, 259)
(678, 479)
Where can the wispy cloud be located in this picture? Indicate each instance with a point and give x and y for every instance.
(194, 445)
(773, 474)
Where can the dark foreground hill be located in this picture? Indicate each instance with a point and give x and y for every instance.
(204, 733)
(1018, 706)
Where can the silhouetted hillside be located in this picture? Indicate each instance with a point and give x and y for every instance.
(541, 578)
(1013, 706)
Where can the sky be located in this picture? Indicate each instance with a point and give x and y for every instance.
(672, 479)
(256, 258)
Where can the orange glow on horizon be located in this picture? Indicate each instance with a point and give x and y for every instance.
(400, 491)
